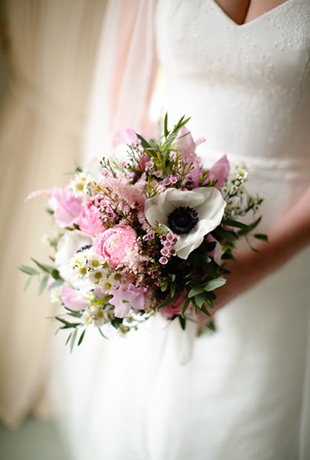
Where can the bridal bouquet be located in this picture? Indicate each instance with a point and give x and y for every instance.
(149, 235)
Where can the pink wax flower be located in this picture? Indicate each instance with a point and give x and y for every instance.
(66, 207)
(219, 171)
(125, 300)
(175, 307)
(89, 220)
(115, 243)
(73, 299)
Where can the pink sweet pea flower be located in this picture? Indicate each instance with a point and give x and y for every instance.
(185, 142)
(175, 307)
(115, 243)
(66, 207)
(125, 300)
(220, 171)
(73, 299)
(143, 159)
(125, 136)
(89, 220)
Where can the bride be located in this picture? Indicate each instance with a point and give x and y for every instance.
(241, 70)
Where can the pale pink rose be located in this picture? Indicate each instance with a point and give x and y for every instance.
(125, 300)
(219, 171)
(89, 220)
(175, 307)
(115, 243)
(73, 299)
(66, 207)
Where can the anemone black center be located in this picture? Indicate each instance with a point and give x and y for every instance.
(83, 248)
(182, 220)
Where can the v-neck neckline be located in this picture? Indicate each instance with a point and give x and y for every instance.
(255, 20)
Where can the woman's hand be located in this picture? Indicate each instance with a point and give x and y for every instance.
(289, 237)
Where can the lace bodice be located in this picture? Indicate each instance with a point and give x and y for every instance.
(223, 74)
(247, 88)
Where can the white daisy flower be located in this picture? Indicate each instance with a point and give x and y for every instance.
(79, 185)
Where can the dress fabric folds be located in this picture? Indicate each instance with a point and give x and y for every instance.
(242, 392)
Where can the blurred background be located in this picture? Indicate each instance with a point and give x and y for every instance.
(47, 56)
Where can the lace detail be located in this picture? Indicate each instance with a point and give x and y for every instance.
(231, 66)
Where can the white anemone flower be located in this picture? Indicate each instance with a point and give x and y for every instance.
(191, 214)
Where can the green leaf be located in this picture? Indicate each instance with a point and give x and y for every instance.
(166, 132)
(66, 323)
(195, 291)
(81, 337)
(182, 322)
(27, 284)
(43, 267)
(220, 234)
(68, 338)
(28, 270)
(250, 227)
(199, 300)
(234, 223)
(144, 142)
(173, 288)
(164, 286)
(261, 236)
(43, 284)
(211, 326)
(73, 339)
(214, 284)
(101, 333)
(165, 302)
(204, 310)
(185, 305)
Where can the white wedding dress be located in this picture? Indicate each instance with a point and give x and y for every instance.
(242, 393)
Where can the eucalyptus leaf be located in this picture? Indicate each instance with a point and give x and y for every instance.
(43, 284)
(199, 300)
(214, 284)
(73, 339)
(195, 291)
(43, 267)
(27, 284)
(28, 270)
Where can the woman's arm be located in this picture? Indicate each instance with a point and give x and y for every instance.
(289, 237)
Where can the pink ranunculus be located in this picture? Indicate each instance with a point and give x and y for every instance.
(220, 171)
(89, 220)
(115, 243)
(125, 300)
(73, 299)
(66, 207)
(185, 142)
(175, 307)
